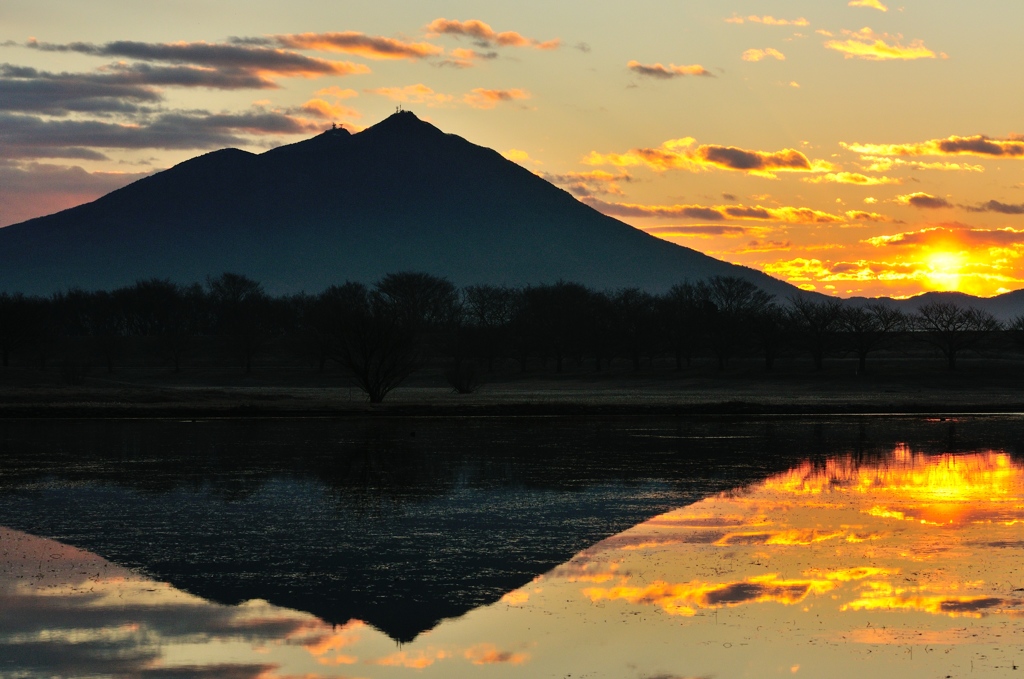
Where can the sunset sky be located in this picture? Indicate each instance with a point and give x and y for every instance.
(854, 147)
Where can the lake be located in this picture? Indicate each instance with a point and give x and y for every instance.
(540, 547)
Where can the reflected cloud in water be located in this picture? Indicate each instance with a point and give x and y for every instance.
(837, 568)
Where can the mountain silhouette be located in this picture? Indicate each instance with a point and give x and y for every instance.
(401, 195)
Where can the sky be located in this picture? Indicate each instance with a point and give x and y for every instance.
(852, 147)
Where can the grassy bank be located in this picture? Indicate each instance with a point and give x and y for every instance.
(980, 385)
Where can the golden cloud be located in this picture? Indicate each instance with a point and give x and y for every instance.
(873, 4)
(759, 55)
(665, 72)
(679, 154)
(520, 156)
(956, 235)
(866, 44)
(352, 42)
(767, 20)
(789, 215)
(413, 94)
(923, 200)
(885, 164)
(853, 178)
(487, 99)
(483, 34)
(685, 598)
(977, 145)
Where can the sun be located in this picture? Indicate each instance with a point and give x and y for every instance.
(945, 269)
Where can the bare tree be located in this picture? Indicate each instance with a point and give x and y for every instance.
(952, 328)
(240, 309)
(374, 342)
(682, 314)
(768, 328)
(634, 316)
(871, 328)
(15, 325)
(732, 302)
(489, 311)
(816, 324)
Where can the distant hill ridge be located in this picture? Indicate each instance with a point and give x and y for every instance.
(401, 195)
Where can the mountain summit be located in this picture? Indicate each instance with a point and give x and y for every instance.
(401, 195)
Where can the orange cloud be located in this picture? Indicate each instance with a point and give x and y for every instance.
(413, 659)
(862, 216)
(767, 21)
(328, 111)
(487, 99)
(923, 200)
(933, 266)
(866, 44)
(953, 234)
(977, 145)
(337, 92)
(486, 36)
(488, 654)
(685, 598)
(665, 72)
(853, 178)
(873, 4)
(884, 164)
(679, 154)
(790, 215)
(760, 55)
(589, 183)
(464, 58)
(351, 42)
(413, 94)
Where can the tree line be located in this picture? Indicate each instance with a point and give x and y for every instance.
(382, 333)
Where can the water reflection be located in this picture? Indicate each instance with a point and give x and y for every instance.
(907, 563)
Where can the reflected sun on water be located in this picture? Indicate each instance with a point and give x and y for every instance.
(908, 563)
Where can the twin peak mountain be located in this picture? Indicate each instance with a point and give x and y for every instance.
(401, 195)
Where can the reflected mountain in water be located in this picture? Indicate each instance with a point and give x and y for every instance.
(864, 562)
(400, 523)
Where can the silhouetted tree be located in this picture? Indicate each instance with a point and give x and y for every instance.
(489, 312)
(170, 314)
(871, 328)
(240, 310)
(555, 317)
(816, 324)
(683, 313)
(732, 303)
(375, 341)
(768, 329)
(16, 325)
(634, 315)
(952, 328)
(1016, 331)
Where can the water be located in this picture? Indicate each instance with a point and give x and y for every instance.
(639, 548)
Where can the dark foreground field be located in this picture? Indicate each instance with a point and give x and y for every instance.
(899, 385)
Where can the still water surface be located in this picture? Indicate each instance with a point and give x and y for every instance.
(646, 549)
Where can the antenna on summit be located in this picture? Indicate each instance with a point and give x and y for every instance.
(398, 109)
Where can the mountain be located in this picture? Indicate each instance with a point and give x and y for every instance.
(401, 195)
(1005, 307)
